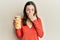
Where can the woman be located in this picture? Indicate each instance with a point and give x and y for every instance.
(32, 26)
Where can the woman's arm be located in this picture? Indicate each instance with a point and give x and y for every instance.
(38, 26)
(19, 33)
(18, 30)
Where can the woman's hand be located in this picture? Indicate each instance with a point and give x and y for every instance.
(32, 18)
(16, 24)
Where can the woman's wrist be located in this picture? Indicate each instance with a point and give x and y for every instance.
(35, 18)
(17, 28)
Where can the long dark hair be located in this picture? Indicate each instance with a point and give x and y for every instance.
(25, 17)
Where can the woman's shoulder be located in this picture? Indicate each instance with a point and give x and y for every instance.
(38, 18)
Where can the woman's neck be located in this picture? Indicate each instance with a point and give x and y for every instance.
(29, 23)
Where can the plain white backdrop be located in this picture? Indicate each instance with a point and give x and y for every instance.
(48, 11)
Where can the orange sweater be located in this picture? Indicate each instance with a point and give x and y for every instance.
(27, 33)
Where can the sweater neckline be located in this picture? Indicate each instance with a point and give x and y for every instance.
(28, 27)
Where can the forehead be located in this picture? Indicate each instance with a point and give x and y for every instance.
(30, 6)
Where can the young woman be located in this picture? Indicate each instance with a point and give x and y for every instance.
(32, 25)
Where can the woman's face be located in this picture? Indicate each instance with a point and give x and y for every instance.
(30, 10)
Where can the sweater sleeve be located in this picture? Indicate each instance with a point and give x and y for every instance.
(38, 26)
(19, 33)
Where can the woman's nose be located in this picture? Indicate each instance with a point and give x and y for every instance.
(30, 11)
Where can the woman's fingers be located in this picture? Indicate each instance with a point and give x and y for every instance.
(32, 17)
(14, 22)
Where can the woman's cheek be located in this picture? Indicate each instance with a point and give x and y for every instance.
(27, 12)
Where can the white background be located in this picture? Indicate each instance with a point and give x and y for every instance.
(48, 11)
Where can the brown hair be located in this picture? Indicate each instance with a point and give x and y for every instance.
(25, 17)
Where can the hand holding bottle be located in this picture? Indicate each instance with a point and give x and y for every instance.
(17, 22)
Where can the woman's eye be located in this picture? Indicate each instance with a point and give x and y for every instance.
(32, 9)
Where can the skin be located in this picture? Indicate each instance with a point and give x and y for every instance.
(30, 11)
